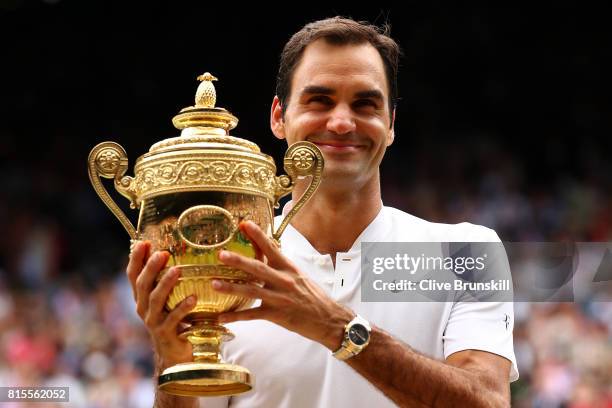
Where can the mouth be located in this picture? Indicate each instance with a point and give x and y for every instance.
(332, 146)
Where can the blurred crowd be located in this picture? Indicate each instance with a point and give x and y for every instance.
(67, 315)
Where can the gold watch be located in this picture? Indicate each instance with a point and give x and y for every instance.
(356, 338)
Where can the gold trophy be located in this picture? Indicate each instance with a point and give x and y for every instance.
(193, 191)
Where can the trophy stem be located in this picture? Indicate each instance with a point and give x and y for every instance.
(205, 350)
(206, 336)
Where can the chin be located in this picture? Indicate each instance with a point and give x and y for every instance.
(341, 175)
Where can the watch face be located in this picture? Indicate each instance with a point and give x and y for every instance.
(358, 334)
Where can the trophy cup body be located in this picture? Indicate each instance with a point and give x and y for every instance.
(192, 192)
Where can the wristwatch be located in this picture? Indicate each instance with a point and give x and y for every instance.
(356, 338)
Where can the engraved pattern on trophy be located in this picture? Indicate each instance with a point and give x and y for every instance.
(206, 226)
(107, 161)
(303, 160)
(186, 171)
(216, 173)
(192, 192)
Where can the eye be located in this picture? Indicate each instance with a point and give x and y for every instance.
(365, 103)
(321, 99)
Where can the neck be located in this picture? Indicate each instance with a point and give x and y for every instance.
(333, 218)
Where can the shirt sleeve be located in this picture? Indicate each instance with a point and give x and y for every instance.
(482, 325)
(485, 326)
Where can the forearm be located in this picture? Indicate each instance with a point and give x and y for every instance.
(411, 379)
(164, 400)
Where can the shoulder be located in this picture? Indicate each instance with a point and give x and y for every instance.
(407, 227)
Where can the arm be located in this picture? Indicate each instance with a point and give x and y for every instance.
(290, 299)
(163, 400)
(467, 378)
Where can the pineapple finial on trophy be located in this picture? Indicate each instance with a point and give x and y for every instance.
(206, 96)
(205, 118)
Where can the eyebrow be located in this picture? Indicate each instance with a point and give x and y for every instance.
(323, 90)
(317, 89)
(371, 93)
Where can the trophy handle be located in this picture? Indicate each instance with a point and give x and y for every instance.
(302, 159)
(109, 160)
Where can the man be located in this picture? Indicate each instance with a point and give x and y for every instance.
(337, 89)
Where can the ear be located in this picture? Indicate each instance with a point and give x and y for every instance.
(277, 123)
(391, 135)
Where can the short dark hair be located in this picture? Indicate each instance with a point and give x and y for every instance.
(339, 31)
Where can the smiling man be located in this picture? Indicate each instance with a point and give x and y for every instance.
(311, 341)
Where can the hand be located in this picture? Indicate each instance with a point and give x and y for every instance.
(289, 297)
(150, 299)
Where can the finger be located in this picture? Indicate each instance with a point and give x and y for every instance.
(257, 268)
(137, 260)
(248, 314)
(178, 313)
(159, 296)
(144, 282)
(258, 252)
(247, 290)
(265, 244)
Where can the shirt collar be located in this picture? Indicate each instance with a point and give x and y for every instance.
(296, 243)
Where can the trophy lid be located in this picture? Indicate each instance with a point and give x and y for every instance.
(204, 157)
(204, 126)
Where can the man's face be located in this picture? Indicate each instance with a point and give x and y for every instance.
(339, 101)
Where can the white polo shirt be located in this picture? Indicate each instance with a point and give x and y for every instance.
(293, 372)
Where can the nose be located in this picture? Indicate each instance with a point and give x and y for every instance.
(341, 120)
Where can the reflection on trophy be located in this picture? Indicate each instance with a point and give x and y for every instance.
(192, 192)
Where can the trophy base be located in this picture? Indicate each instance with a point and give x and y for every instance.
(205, 379)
